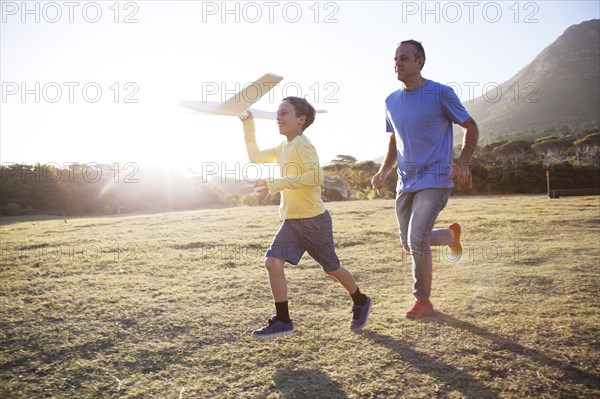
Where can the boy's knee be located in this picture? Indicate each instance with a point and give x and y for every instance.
(335, 269)
(273, 263)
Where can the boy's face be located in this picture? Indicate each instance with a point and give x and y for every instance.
(287, 121)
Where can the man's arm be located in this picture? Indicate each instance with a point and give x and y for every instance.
(462, 170)
(386, 166)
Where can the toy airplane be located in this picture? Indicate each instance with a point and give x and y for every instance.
(239, 104)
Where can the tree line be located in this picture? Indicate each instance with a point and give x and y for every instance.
(501, 167)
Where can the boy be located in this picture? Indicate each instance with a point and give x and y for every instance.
(306, 224)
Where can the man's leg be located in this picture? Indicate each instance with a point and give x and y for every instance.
(426, 206)
(403, 214)
(440, 237)
(451, 237)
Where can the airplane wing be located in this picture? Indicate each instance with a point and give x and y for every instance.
(238, 104)
(260, 114)
(250, 94)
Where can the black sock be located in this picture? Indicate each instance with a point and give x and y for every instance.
(281, 309)
(358, 298)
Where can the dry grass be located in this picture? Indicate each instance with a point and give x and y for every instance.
(160, 306)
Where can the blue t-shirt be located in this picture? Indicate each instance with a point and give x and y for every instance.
(422, 122)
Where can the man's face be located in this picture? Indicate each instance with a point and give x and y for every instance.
(408, 67)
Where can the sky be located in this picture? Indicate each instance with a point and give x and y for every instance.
(100, 82)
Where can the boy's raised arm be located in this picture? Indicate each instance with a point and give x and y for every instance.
(254, 154)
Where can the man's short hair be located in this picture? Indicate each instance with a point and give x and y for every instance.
(302, 108)
(418, 49)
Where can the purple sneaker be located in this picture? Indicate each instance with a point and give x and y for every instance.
(274, 328)
(360, 315)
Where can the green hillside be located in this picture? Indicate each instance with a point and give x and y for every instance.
(559, 88)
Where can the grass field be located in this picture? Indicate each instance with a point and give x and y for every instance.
(161, 306)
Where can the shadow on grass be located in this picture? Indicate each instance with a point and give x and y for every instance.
(453, 377)
(574, 374)
(306, 383)
(46, 357)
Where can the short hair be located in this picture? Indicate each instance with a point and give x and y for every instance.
(302, 108)
(418, 49)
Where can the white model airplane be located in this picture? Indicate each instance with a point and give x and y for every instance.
(239, 104)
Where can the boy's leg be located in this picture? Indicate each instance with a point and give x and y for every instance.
(278, 287)
(277, 278)
(345, 278)
(280, 324)
(284, 248)
(317, 236)
(362, 303)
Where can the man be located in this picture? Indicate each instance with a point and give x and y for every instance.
(420, 116)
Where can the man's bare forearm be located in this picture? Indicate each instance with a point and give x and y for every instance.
(390, 157)
(470, 139)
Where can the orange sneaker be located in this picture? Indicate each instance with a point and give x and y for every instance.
(455, 250)
(419, 309)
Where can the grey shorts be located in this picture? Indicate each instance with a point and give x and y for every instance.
(313, 235)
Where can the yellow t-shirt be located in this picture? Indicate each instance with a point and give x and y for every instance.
(301, 174)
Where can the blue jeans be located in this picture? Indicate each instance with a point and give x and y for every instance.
(416, 213)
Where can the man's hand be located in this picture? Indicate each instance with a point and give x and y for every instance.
(377, 182)
(462, 173)
(388, 163)
(260, 187)
(247, 117)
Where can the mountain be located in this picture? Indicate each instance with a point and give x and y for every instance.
(560, 87)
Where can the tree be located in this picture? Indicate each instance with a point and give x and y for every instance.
(344, 160)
